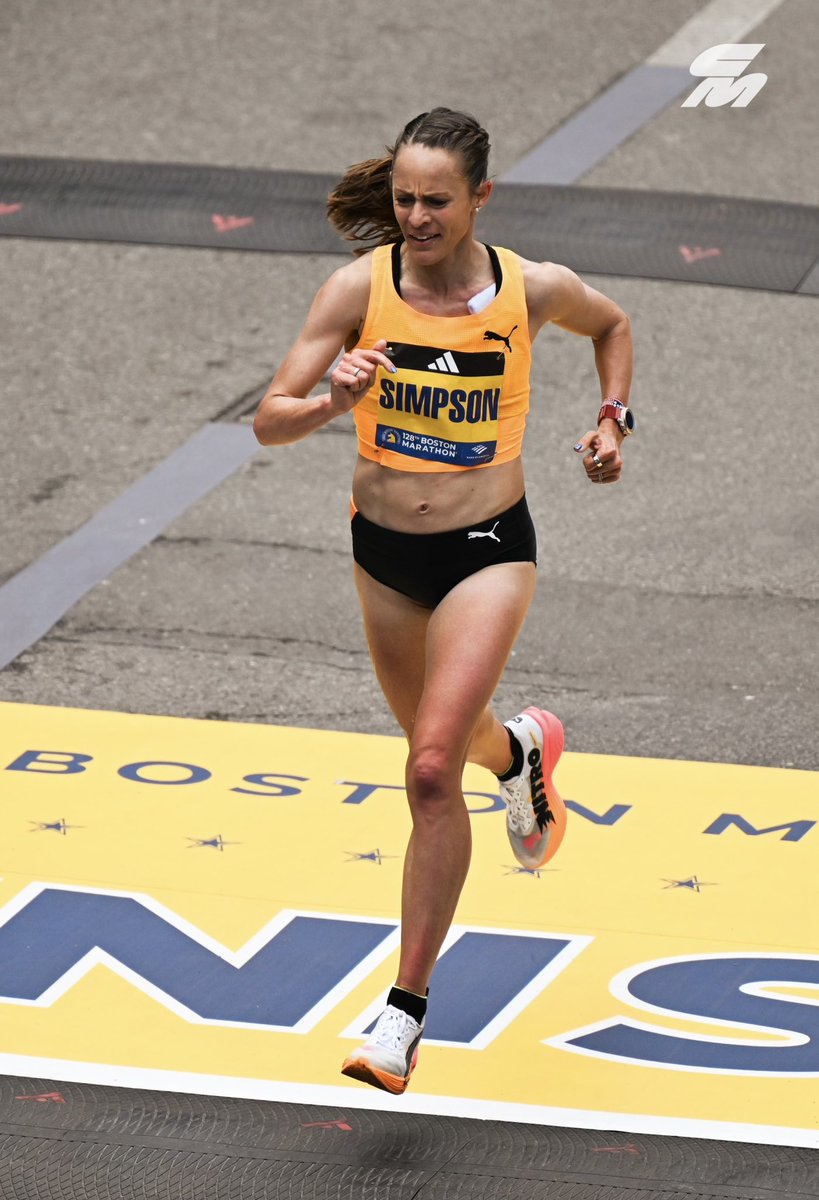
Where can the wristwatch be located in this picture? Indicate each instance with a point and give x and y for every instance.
(617, 411)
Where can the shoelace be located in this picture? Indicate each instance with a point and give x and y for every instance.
(520, 814)
(391, 1029)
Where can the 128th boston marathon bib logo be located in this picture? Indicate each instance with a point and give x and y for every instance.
(443, 404)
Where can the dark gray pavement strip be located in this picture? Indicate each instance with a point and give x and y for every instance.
(32, 601)
(77, 1148)
(810, 284)
(600, 127)
(656, 235)
(167, 204)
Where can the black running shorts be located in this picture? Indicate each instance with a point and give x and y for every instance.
(425, 566)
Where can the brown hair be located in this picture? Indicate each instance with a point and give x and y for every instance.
(360, 206)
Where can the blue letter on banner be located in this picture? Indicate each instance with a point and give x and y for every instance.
(477, 977)
(711, 988)
(485, 976)
(277, 986)
(610, 817)
(53, 762)
(134, 771)
(796, 829)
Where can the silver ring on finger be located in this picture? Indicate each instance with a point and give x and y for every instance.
(600, 477)
(357, 372)
(597, 462)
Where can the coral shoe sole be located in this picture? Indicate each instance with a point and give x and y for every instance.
(553, 741)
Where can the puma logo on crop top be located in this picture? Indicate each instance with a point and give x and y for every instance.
(489, 336)
(453, 403)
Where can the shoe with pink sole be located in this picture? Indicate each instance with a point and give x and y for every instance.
(535, 813)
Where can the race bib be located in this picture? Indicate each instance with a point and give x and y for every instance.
(441, 405)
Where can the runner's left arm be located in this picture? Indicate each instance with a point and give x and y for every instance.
(556, 294)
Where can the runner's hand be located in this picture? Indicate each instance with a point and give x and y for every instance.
(355, 373)
(601, 456)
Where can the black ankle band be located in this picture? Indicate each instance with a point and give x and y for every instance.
(517, 757)
(408, 1002)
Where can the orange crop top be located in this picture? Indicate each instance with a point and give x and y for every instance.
(460, 395)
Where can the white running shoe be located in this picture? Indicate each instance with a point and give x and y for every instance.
(388, 1057)
(535, 813)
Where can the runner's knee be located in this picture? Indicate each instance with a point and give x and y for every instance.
(433, 779)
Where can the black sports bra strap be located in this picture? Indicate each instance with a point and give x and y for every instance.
(396, 266)
(496, 267)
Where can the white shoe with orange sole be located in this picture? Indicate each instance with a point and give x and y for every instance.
(388, 1057)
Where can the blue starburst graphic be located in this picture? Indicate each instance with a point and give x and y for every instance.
(213, 843)
(52, 826)
(692, 884)
(536, 872)
(373, 856)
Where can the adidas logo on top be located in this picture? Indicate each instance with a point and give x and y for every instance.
(445, 363)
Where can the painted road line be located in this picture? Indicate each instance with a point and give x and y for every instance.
(718, 22)
(592, 134)
(32, 601)
(588, 137)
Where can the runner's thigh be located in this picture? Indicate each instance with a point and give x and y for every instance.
(396, 629)
(469, 638)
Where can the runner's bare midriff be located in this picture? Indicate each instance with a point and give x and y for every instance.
(431, 502)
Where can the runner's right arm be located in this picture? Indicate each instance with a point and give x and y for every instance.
(288, 412)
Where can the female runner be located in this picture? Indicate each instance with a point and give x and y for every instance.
(437, 331)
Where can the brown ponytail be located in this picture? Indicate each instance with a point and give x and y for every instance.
(360, 206)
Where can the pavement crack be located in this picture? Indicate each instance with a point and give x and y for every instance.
(123, 635)
(209, 540)
(715, 595)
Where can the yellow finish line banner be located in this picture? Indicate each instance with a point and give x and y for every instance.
(214, 907)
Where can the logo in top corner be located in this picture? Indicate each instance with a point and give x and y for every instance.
(491, 336)
(723, 82)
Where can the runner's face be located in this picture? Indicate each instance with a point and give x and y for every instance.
(434, 204)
